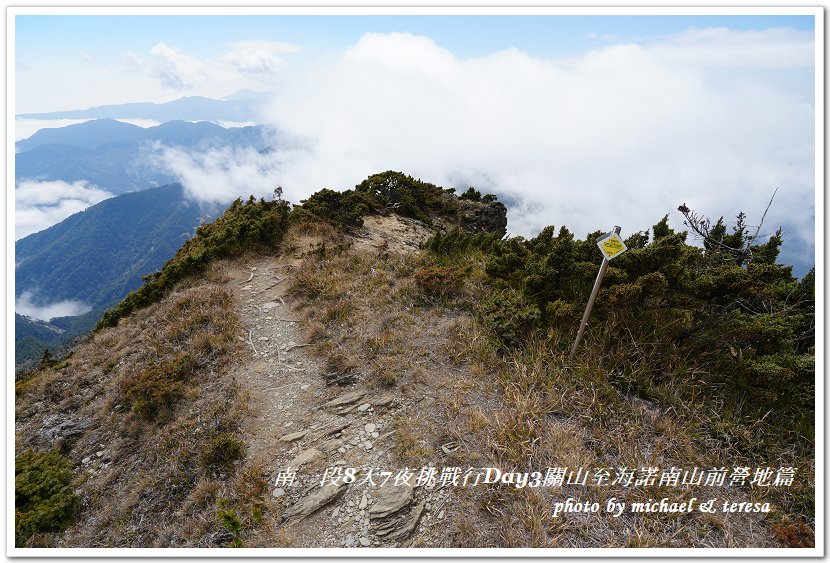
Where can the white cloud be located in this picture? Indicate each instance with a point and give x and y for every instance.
(258, 56)
(39, 205)
(175, 69)
(621, 135)
(721, 47)
(246, 64)
(233, 124)
(139, 122)
(222, 174)
(24, 305)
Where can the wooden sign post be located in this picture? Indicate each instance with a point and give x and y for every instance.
(611, 246)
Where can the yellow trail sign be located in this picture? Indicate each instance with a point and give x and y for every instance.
(611, 246)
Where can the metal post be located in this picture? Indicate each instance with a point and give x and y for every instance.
(591, 300)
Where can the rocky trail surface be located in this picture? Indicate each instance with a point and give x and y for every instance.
(301, 430)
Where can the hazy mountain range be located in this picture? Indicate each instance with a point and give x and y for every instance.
(118, 156)
(241, 106)
(69, 273)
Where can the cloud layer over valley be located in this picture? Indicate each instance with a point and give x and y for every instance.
(25, 305)
(621, 134)
(39, 205)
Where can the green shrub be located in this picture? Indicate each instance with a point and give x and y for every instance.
(508, 316)
(409, 197)
(44, 501)
(157, 389)
(222, 450)
(667, 312)
(456, 241)
(341, 209)
(230, 521)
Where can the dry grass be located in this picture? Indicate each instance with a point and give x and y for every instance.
(401, 324)
(550, 415)
(156, 393)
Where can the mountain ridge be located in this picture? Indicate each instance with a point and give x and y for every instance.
(116, 156)
(191, 108)
(129, 236)
(388, 327)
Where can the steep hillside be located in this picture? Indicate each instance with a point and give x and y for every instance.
(379, 368)
(99, 255)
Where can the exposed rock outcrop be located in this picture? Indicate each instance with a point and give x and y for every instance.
(483, 217)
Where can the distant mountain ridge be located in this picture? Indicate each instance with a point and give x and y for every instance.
(116, 156)
(242, 106)
(100, 132)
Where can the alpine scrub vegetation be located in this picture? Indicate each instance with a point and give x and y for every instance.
(44, 500)
(693, 357)
(724, 344)
(250, 226)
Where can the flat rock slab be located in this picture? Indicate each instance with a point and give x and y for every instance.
(306, 456)
(59, 427)
(315, 501)
(269, 305)
(391, 499)
(332, 428)
(294, 436)
(346, 399)
(396, 531)
(384, 401)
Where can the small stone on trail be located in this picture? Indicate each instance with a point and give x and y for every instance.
(365, 542)
(363, 407)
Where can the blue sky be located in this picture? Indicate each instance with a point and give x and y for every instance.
(79, 43)
(583, 120)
